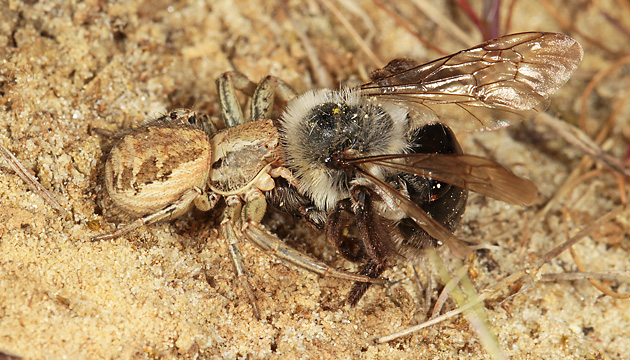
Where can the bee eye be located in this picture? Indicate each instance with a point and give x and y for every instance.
(192, 120)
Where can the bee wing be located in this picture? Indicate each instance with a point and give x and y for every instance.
(495, 82)
(458, 246)
(470, 172)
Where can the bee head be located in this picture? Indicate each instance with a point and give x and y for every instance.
(323, 128)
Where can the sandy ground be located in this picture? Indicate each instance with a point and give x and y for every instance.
(169, 292)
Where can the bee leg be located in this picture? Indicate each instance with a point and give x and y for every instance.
(376, 242)
(337, 227)
(252, 213)
(373, 269)
(264, 96)
(231, 217)
(183, 204)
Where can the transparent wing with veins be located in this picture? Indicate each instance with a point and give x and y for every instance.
(458, 246)
(469, 172)
(466, 171)
(493, 83)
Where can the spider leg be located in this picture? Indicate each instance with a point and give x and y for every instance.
(264, 96)
(194, 196)
(276, 247)
(231, 218)
(230, 108)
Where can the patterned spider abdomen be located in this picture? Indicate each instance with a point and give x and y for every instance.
(153, 166)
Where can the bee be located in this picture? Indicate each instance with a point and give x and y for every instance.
(378, 167)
